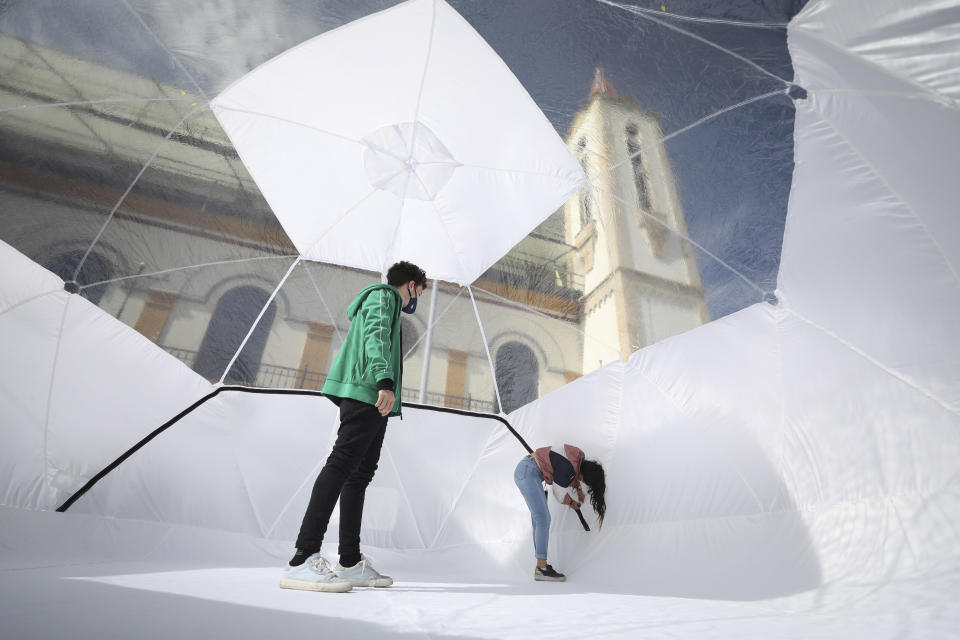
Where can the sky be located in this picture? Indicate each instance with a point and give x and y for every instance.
(733, 168)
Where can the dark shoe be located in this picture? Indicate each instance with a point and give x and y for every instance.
(548, 574)
(299, 558)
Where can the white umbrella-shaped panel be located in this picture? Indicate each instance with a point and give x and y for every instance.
(399, 136)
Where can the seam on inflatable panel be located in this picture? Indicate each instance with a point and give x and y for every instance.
(314, 243)
(133, 183)
(903, 531)
(311, 475)
(423, 76)
(86, 103)
(219, 107)
(783, 404)
(681, 411)
(46, 421)
(436, 209)
(176, 60)
(788, 220)
(667, 25)
(192, 266)
(246, 489)
(878, 94)
(29, 300)
(384, 267)
(943, 403)
(406, 499)
(463, 488)
(945, 100)
(886, 184)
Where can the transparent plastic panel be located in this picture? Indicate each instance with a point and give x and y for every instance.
(678, 114)
(198, 314)
(63, 170)
(194, 204)
(96, 36)
(457, 371)
(300, 334)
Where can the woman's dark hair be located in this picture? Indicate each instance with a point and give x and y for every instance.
(403, 272)
(596, 481)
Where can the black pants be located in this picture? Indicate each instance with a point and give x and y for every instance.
(346, 474)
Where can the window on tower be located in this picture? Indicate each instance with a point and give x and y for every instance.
(586, 194)
(636, 161)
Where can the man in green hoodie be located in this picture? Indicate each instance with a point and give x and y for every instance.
(365, 381)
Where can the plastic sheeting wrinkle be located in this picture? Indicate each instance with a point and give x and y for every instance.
(938, 97)
(902, 378)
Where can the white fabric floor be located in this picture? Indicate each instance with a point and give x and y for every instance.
(76, 576)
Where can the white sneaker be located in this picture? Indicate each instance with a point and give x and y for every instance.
(362, 575)
(314, 575)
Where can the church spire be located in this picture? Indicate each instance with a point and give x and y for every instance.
(601, 85)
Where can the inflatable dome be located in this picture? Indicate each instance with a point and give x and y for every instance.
(715, 247)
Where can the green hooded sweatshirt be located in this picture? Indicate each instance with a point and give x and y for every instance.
(371, 350)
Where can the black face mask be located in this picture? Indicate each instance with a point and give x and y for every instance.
(412, 305)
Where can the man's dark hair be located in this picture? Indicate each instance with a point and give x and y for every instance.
(403, 272)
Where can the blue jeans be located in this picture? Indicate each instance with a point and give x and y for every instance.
(529, 480)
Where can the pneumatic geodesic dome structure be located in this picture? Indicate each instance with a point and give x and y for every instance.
(716, 249)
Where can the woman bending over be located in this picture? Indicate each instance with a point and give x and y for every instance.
(566, 475)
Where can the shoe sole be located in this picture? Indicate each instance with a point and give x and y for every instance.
(379, 583)
(545, 579)
(303, 585)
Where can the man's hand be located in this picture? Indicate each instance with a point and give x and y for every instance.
(575, 505)
(385, 400)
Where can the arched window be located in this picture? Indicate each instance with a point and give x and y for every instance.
(232, 319)
(95, 269)
(636, 161)
(518, 375)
